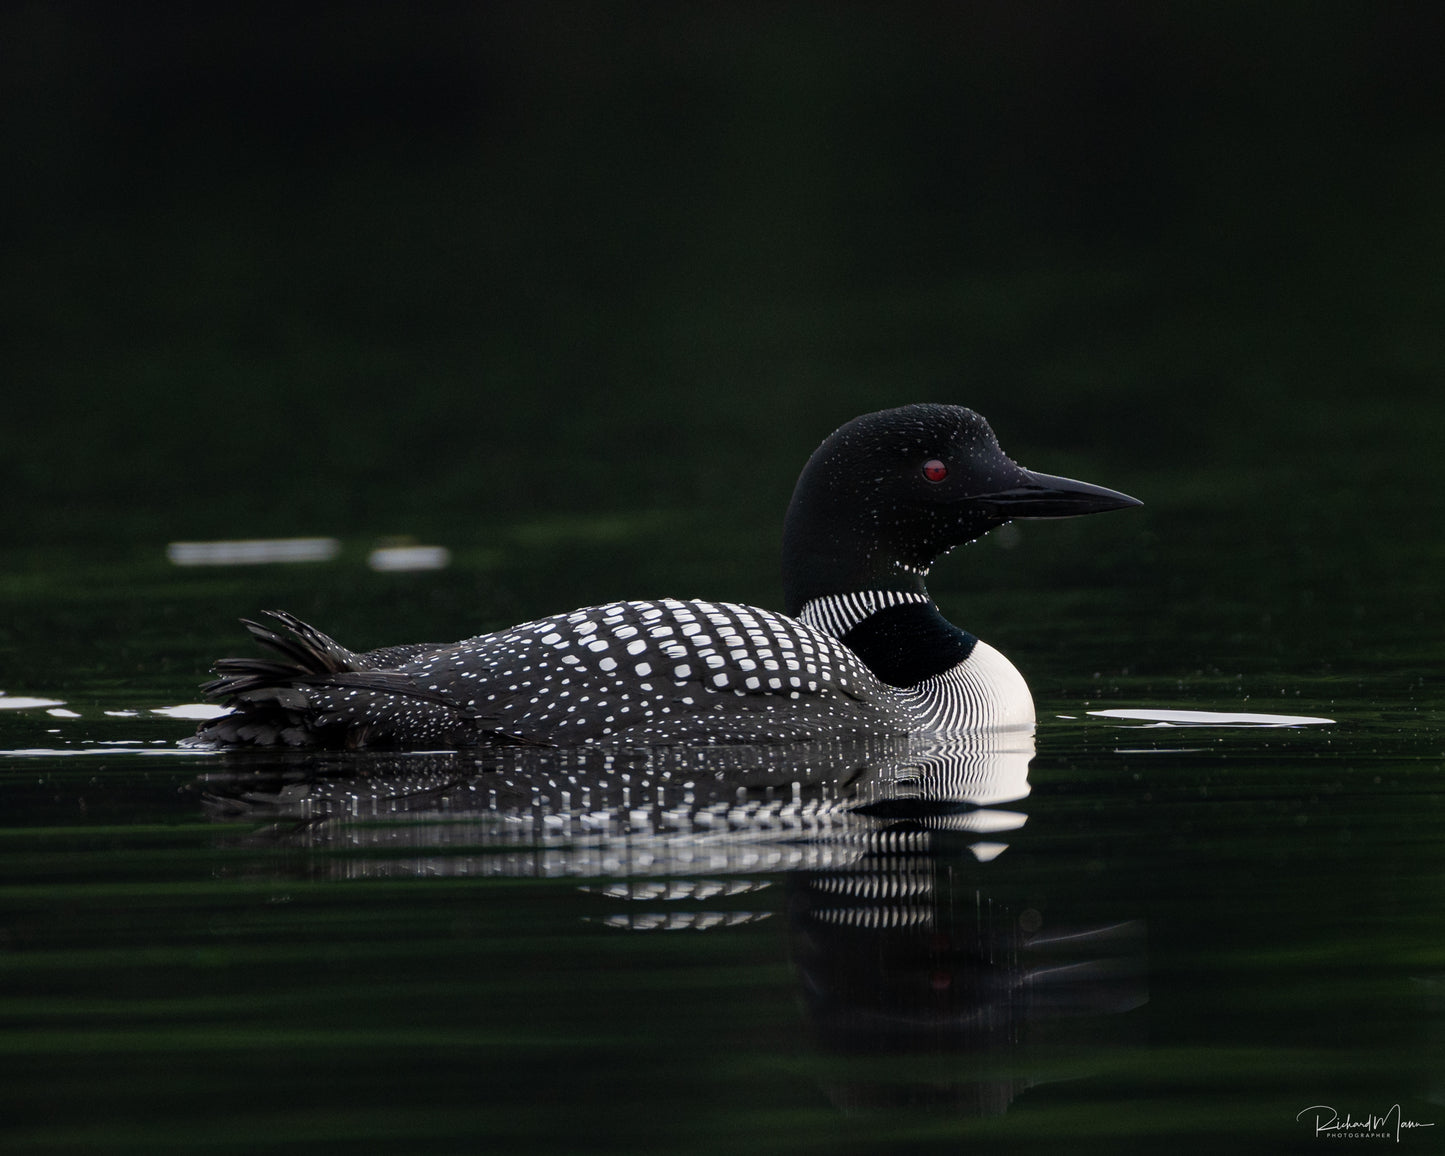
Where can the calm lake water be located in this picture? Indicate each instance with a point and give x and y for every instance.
(573, 294)
(1132, 934)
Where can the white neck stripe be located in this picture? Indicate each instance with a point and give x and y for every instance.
(836, 614)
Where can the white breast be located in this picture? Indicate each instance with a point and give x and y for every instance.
(983, 692)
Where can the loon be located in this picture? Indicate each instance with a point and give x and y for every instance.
(862, 651)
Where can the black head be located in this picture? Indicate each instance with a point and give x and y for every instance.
(890, 492)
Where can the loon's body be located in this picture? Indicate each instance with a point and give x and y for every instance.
(863, 651)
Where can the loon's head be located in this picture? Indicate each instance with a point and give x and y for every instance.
(890, 492)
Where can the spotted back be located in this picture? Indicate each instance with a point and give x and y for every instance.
(652, 672)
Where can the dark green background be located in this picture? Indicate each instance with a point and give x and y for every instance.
(573, 289)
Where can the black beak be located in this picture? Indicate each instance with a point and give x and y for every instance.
(1045, 496)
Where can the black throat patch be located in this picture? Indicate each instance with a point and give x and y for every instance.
(905, 644)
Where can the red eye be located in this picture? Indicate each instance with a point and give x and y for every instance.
(934, 470)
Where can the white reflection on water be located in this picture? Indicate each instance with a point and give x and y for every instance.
(676, 889)
(1211, 718)
(56, 709)
(252, 551)
(681, 920)
(23, 702)
(397, 558)
(192, 710)
(107, 751)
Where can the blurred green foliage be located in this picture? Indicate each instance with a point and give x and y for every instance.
(498, 275)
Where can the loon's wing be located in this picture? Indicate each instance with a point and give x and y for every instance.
(649, 673)
(661, 672)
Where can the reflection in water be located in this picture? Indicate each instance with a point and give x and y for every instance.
(912, 953)
(632, 812)
(395, 558)
(904, 935)
(1211, 718)
(252, 551)
(26, 702)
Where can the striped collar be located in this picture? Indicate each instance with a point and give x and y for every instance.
(836, 614)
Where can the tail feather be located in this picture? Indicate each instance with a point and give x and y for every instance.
(321, 694)
(308, 652)
(311, 651)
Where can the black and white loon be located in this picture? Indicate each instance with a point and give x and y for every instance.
(862, 650)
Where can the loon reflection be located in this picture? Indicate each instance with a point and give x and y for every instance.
(907, 930)
(657, 811)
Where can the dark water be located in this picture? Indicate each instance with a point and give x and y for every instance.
(1135, 936)
(573, 293)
